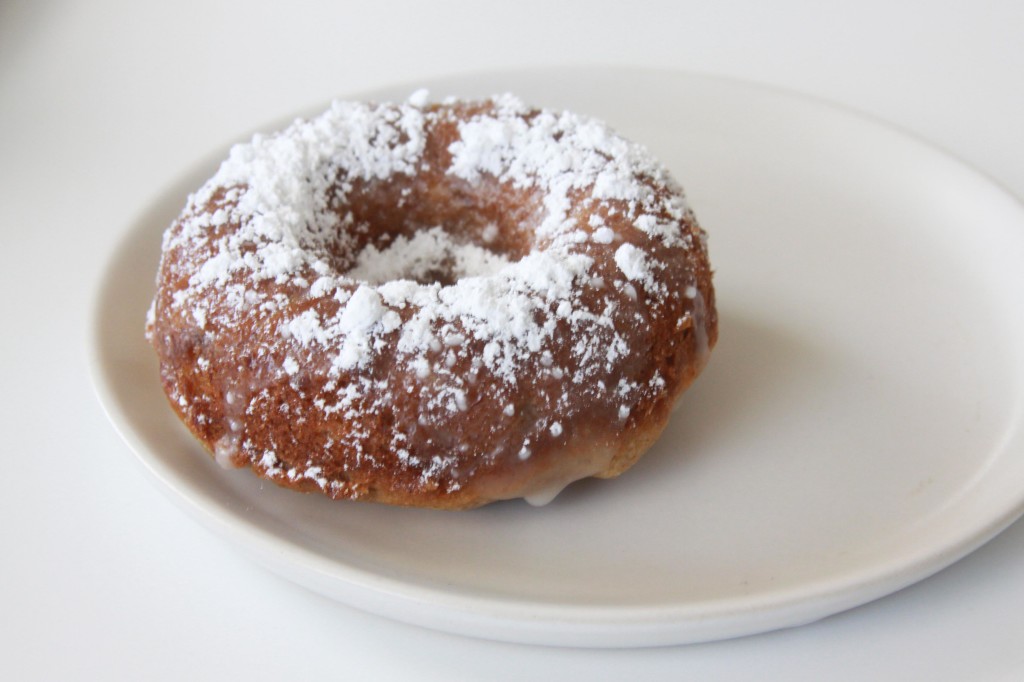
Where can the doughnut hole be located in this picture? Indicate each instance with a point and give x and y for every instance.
(488, 214)
(444, 214)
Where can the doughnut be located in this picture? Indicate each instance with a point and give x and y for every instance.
(433, 304)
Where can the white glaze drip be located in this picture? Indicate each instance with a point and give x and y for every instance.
(545, 496)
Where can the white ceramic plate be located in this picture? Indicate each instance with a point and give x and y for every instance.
(859, 427)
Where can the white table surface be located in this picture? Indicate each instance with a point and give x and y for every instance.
(103, 104)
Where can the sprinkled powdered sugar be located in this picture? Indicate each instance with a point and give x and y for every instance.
(283, 197)
(415, 258)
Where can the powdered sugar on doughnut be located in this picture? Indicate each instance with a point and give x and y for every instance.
(425, 252)
(561, 152)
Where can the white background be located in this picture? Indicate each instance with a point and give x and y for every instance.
(103, 104)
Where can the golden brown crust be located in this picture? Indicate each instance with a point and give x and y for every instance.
(440, 424)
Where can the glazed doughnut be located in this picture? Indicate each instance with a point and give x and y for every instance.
(435, 305)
